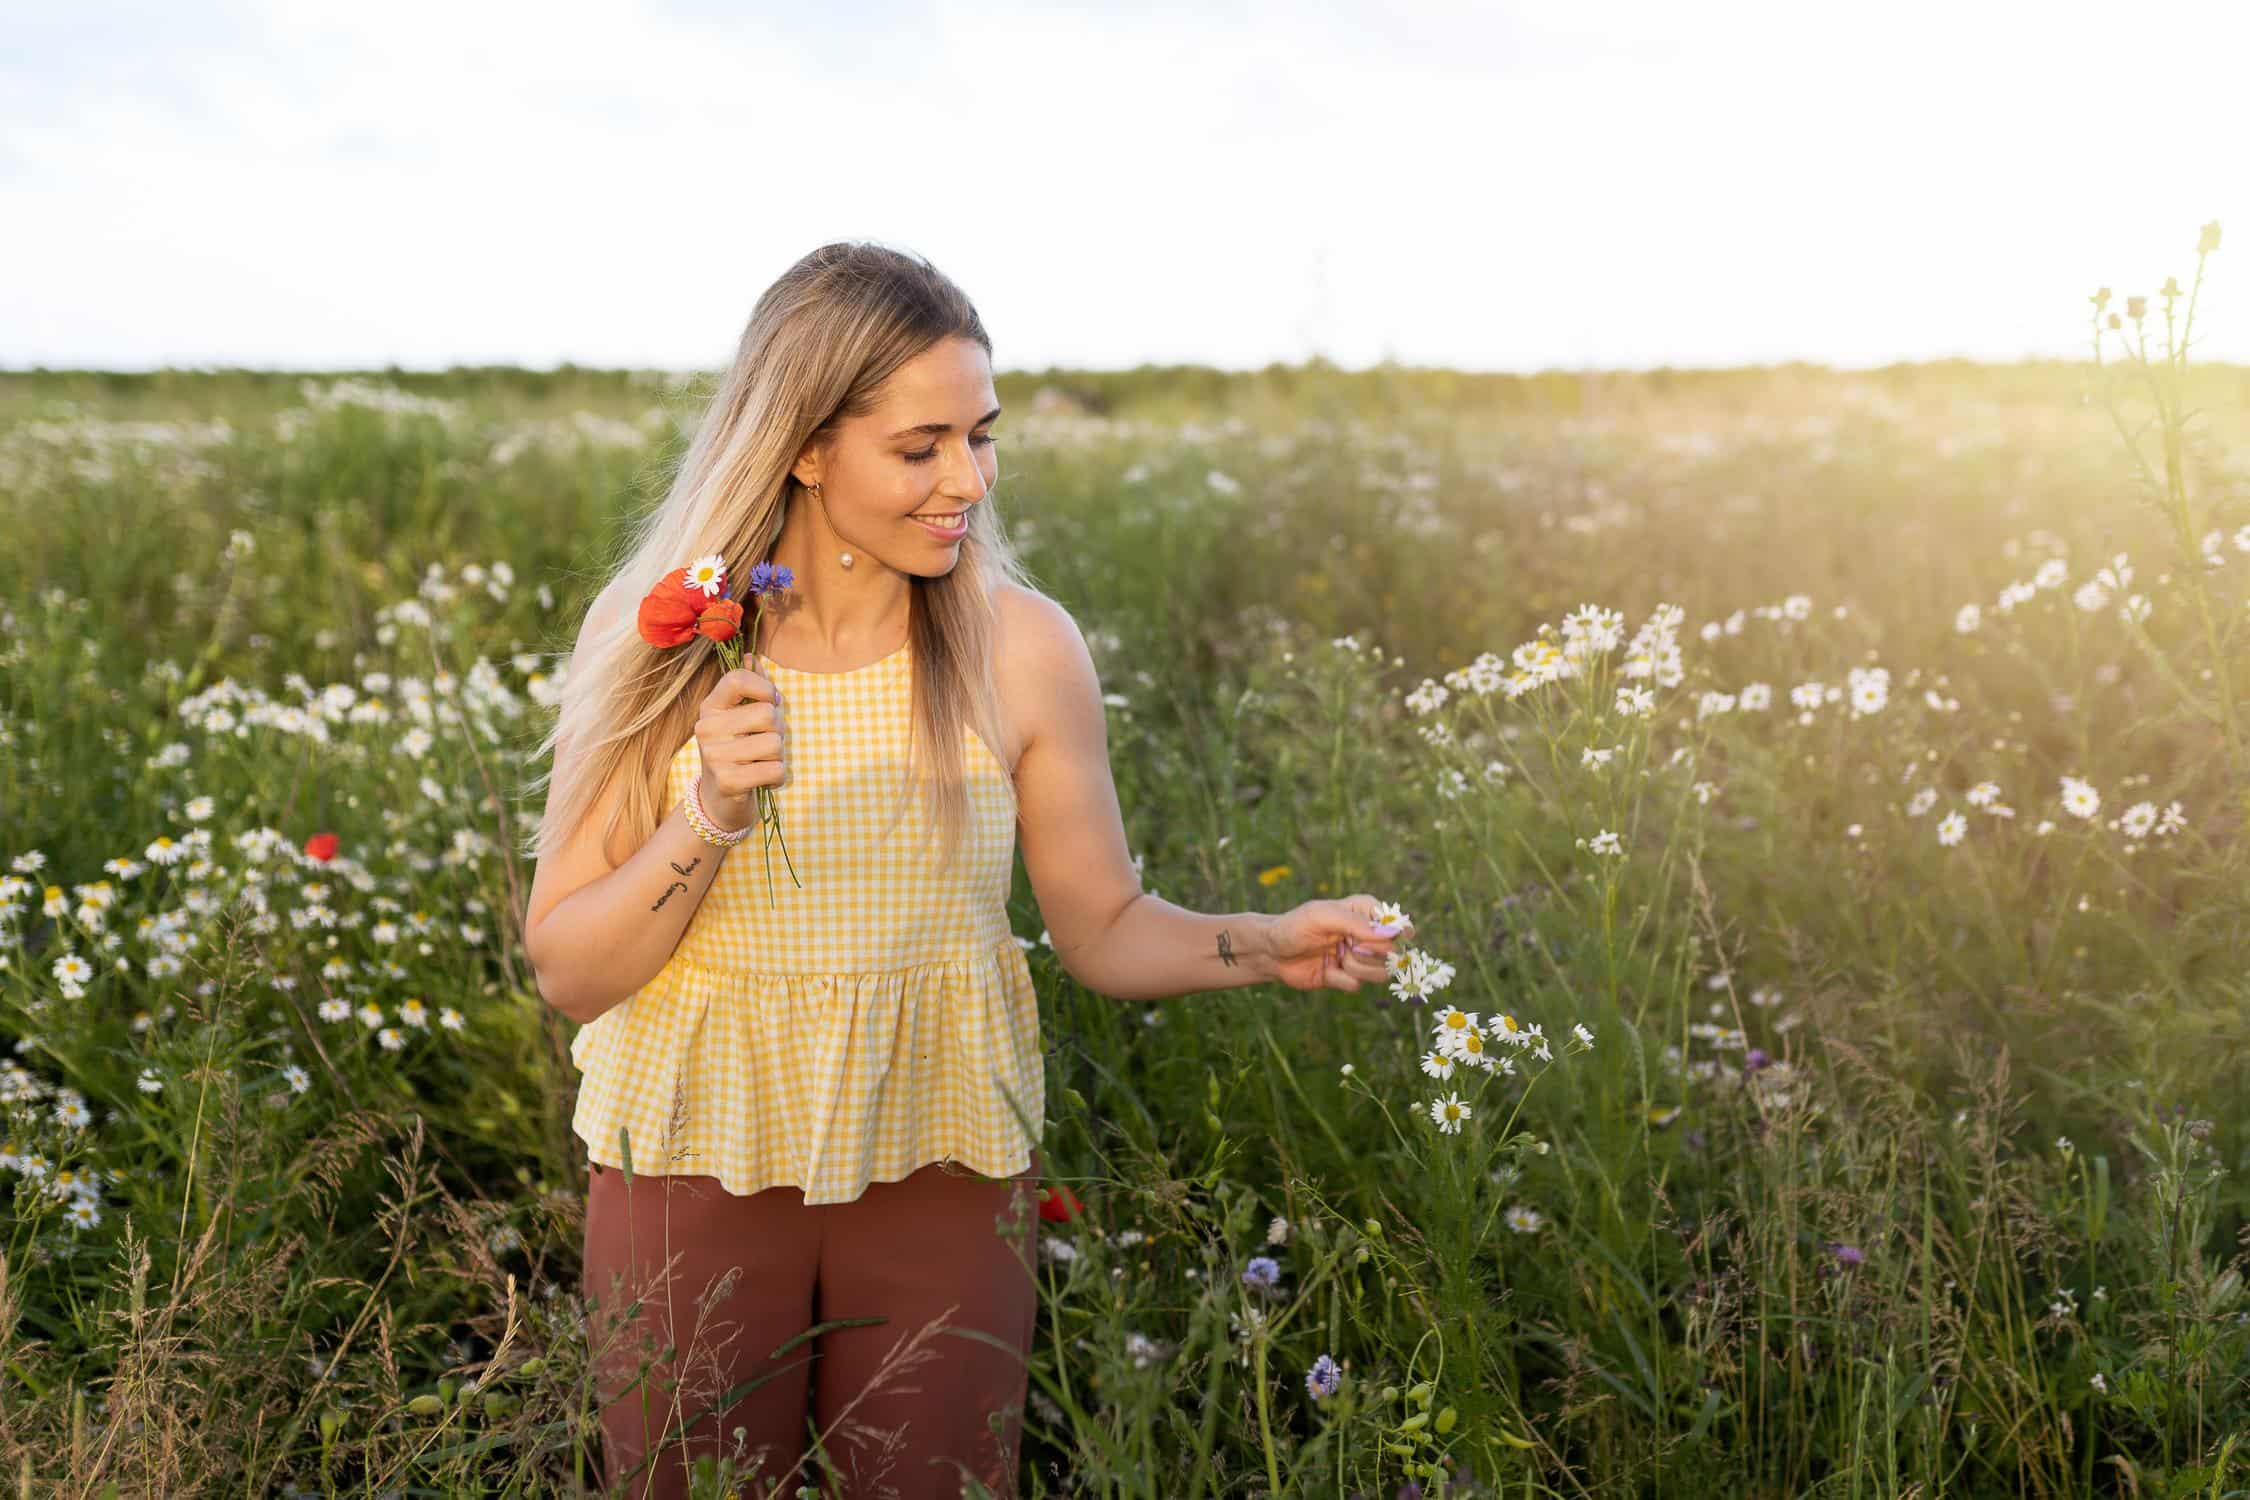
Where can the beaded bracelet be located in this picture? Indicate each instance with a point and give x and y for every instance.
(705, 829)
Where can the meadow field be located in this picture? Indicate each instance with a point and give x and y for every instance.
(1844, 773)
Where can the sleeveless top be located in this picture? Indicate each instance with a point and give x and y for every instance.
(877, 1019)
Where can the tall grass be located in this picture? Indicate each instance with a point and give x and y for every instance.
(1902, 1158)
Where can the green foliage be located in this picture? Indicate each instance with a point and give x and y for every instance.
(1902, 1161)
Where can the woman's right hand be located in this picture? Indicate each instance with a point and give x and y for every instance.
(738, 733)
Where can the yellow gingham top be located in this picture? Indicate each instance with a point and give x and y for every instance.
(874, 1021)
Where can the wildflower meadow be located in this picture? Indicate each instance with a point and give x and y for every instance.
(1819, 798)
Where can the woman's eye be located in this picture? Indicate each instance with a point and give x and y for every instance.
(930, 452)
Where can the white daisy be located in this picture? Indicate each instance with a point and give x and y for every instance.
(1449, 1112)
(2079, 798)
(706, 573)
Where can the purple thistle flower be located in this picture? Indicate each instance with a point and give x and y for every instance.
(1263, 1271)
(1755, 1059)
(1850, 1255)
(1323, 1378)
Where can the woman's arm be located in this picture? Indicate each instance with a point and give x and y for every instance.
(596, 930)
(595, 934)
(1111, 936)
(1153, 950)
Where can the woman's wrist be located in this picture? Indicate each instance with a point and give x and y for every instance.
(709, 828)
(1260, 945)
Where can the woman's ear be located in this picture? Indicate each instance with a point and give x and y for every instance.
(806, 470)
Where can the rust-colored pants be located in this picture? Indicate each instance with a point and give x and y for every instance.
(936, 1254)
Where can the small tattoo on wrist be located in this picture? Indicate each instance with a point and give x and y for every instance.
(689, 867)
(1226, 949)
(677, 885)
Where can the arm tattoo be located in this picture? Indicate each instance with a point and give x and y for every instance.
(1226, 949)
(677, 885)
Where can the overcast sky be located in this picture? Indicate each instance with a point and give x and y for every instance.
(1482, 185)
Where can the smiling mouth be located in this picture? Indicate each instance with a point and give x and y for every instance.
(958, 521)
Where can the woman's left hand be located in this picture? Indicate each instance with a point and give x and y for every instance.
(1331, 944)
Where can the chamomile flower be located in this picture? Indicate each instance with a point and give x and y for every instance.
(1451, 1022)
(1506, 1028)
(2079, 798)
(706, 574)
(1449, 1113)
(1468, 1046)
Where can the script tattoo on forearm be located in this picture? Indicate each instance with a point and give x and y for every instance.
(677, 885)
(1226, 949)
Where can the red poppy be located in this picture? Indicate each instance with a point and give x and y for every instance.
(1059, 1205)
(668, 613)
(322, 846)
(721, 620)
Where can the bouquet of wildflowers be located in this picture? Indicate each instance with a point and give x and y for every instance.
(698, 600)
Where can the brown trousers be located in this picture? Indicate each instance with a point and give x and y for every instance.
(908, 1406)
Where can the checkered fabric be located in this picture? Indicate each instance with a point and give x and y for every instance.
(877, 1019)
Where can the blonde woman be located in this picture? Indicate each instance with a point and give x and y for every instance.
(819, 1100)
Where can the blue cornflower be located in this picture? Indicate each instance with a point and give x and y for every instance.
(1263, 1271)
(1323, 1378)
(766, 578)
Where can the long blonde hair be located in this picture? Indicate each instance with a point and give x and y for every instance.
(819, 345)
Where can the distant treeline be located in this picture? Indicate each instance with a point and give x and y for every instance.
(1157, 391)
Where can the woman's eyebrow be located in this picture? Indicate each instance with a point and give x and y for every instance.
(938, 429)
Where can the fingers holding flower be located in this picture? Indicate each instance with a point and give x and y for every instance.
(1335, 944)
(742, 760)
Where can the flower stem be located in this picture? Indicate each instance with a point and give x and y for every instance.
(1265, 1421)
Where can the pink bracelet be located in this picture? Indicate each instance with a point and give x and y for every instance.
(705, 829)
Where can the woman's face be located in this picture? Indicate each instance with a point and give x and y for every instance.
(899, 482)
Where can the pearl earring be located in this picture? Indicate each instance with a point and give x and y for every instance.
(844, 558)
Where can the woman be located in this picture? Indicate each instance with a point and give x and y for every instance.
(819, 1097)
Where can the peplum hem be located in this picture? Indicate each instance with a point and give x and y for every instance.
(822, 1081)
